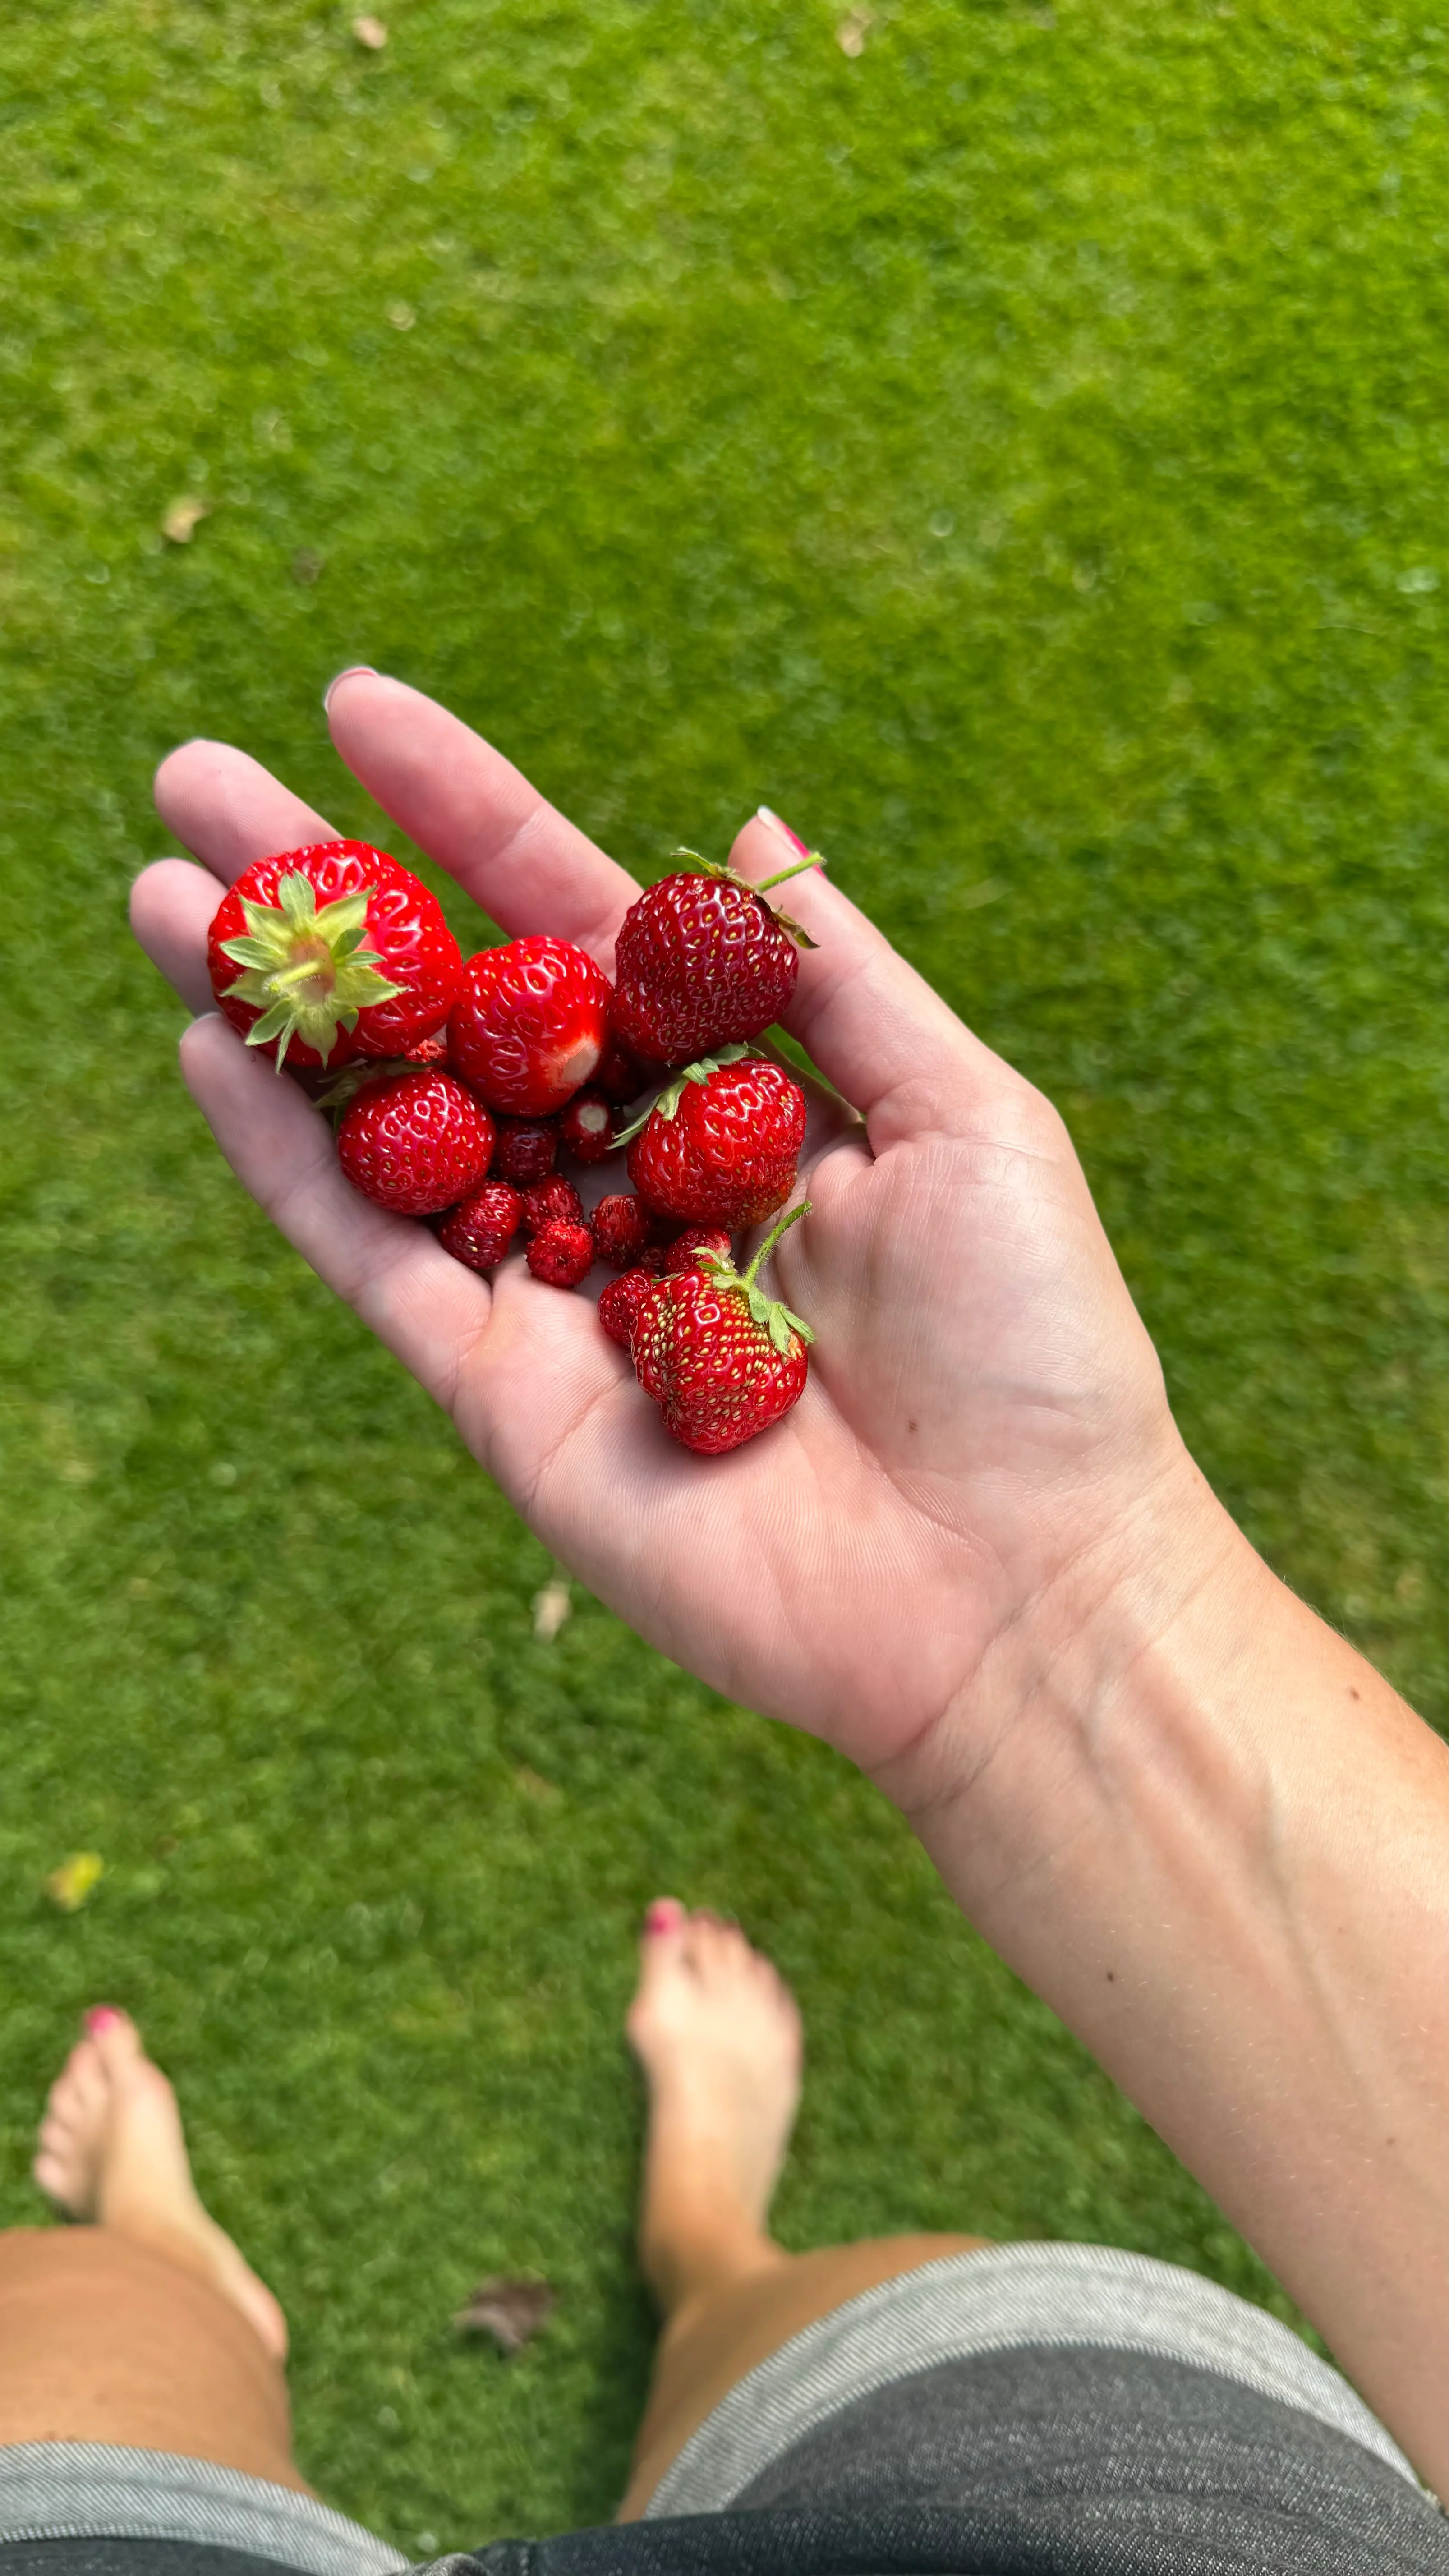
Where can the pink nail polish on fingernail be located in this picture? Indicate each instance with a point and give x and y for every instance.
(764, 815)
(354, 671)
(100, 2017)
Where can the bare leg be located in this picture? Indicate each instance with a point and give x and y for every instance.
(143, 2325)
(718, 2035)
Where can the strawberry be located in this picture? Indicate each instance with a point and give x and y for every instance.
(620, 1227)
(551, 1202)
(561, 1254)
(526, 1149)
(703, 960)
(415, 1144)
(587, 1126)
(721, 1144)
(620, 1074)
(620, 1301)
(530, 1023)
(332, 951)
(721, 1359)
(481, 1230)
(684, 1252)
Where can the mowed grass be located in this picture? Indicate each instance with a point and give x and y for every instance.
(1011, 450)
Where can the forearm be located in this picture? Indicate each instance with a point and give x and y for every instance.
(1212, 1838)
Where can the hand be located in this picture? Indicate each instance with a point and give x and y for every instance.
(975, 1556)
(984, 1406)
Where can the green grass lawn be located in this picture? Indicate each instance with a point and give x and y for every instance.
(1009, 450)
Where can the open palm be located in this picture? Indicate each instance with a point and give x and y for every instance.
(984, 1407)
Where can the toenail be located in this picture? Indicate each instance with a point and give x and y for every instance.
(100, 2017)
(660, 1917)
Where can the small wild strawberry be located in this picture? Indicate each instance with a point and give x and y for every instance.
(551, 1202)
(720, 1146)
(529, 1024)
(332, 951)
(562, 1254)
(587, 1126)
(685, 1251)
(620, 1301)
(703, 960)
(721, 1359)
(417, 1143)
(526, 1149)
(480, 1231)
(620, 1074)
(620, 1227)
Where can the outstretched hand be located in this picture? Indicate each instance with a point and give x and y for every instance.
(984, 1409)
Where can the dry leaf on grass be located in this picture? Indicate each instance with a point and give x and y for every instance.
(401, 316)
(70, 1885)
(370, 32)
(852, 31)
(184, 516)
(551, 1607)
(510, 2311)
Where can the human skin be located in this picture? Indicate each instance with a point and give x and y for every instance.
(976, 1557)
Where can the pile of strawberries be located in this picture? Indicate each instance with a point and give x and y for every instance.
(456, 1085)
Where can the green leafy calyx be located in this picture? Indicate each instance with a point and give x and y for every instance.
(670, 1097)
(778, 1321)
(306, 971)
(731, 876)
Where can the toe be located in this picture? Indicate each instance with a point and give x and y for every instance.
(114, 2036)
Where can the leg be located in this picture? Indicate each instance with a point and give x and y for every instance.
(142, 2326)
(718, 2036)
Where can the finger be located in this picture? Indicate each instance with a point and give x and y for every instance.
(172, 903)
(466, 805)
(428, 1308)
(230, 810)
(871, 1023)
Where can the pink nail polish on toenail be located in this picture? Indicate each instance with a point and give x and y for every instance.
(660, 1918)
(100, 2017)
(764, 815)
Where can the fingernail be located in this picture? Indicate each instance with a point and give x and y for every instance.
(662, 1917)
(101, 2017)
(764, 815)
(354, 671)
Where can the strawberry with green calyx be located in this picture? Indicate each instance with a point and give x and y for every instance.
(703, 959)
(332, 951)
(722, 1143)
(720, 1358)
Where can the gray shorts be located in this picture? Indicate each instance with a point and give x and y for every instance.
(1063, 2407)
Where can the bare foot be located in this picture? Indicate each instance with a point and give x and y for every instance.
(111, 2150)
(717, 2032)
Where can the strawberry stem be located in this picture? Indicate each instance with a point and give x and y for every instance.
(781, 1226)
(813, 859)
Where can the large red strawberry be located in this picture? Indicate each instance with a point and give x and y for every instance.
(721, 1144)
(530, 1024)
(721, 1359)
(416, 1144)
(703, 960)
(332, 951)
